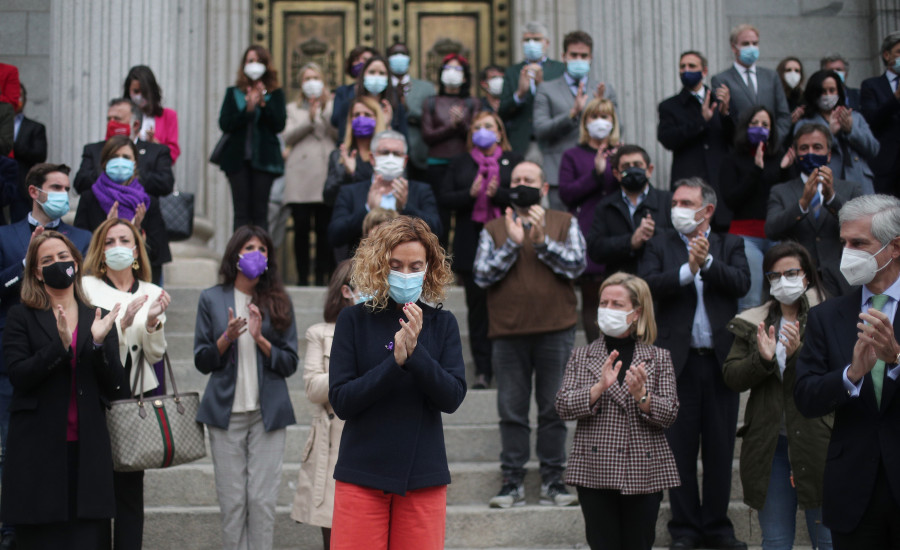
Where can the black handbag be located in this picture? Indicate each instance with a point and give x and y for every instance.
(178, 215)
(216, 156)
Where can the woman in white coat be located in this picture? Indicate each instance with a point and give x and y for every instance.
(314, 500)
(119, 272)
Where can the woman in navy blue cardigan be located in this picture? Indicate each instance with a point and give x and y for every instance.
(396, 365)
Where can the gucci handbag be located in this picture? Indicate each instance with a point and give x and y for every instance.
(155, 432)
(178, 215)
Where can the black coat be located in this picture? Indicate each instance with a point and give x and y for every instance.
(154, 167)
(30, 148)
(746, 186)
(882, 111)
(35, 470)
(453, 193)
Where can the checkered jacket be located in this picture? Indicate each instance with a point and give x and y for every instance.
(616, 445)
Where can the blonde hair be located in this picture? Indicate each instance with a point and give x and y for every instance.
(375, 107)
(315, 67)
(376, 217)
(735, 32)
(639, 292)
(504, 142)
(95, 261)
(599, 106)
(371, 264)
(34, 295)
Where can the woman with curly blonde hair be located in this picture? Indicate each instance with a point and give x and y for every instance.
(396, 365)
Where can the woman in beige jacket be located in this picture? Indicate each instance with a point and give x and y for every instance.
(314, 500)
(309, 137)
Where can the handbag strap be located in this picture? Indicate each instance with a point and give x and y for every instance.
(139, 381)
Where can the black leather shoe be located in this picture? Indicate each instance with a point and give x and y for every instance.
(725, 543)
(683, 543)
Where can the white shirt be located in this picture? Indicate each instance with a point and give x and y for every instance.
(148, 124)
(246, 388)
(889, 309)
(743, 72)
(892, 79)
(805, 178)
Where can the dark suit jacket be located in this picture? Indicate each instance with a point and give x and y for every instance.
(517, 118)
(726, 280)
(853, 98)
(14, 240)
(154, 167)
(35, 485)
(350, 210)
(30, 148)
(862, 435)
(769, 92)
(697, 146)
(882, 111)
(821, 237)
(609, 241)
(218, 398)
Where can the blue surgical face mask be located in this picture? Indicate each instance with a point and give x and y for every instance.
(119, 257)
(56, 205)
(120, 170)
(749, 55)
(406, 287)
(896, 66)
(375, 83)
(533, 50)
(578, 68)
(399, 63)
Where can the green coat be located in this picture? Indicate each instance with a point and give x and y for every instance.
(770, 400)
(518, 117)
(267, 122)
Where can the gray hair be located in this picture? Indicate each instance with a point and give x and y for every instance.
(806, 128)
(884, 211)
(831, 58)
(706, 190)
(536, 27)
(889, 42)
(136, 113)
(388, 134)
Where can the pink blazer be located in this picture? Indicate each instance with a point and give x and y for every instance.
(167, 131)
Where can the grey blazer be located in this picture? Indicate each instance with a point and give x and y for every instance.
(555, 131)
(418, 149)
(769, 94)
(274, 400)
(785, 220)
(861, 146)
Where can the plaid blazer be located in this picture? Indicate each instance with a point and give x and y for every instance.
(616, 445)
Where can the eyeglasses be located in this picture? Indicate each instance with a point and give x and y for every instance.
(789, 274)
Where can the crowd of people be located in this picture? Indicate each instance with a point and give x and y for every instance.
(768, 266)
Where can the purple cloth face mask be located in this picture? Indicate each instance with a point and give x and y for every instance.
(253, 264)
(484, 138)
(757, 134)
(363, 126)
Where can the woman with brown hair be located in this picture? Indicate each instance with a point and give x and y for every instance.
(253, 114)
(396, 365)
(63, 361)
(352, 161)
(314, 499)
(246, 340)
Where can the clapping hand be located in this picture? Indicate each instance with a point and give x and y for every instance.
(254, 323)
(536, 215)
(514, 228)
(723, 96)
(236, 326)
(400, 188)
(102, 325)
(636, 380)
(790, 337)
(643, 233)
(130, 311)
(407, 337)
(609, 372)
(62, 327)
(765, 341)
(157, 308)
(139, 214)
(699, 250)
(758, 157)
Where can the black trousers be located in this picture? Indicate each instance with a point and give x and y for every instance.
(250, 195)
(436, 173)
(613, 521)
(477, 317)
(878, 527)
(309, 216)
(128, 529)
(707, 422)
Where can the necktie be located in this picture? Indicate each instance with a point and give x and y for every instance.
(816, 205)
(878, 302)
(750, 83)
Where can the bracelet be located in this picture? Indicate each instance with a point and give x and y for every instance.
(227, 339)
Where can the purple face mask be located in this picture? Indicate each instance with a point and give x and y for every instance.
(363, 126)
(484, 138)
(357, 68)
(253, 264)
(757, 134)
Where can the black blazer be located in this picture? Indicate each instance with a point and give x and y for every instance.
(609, 241)
(862, 435)
(154, 167)
(30, 148)
(882, 111)
(726, 280)
(35, 486)
(453, 193)
(698, 147)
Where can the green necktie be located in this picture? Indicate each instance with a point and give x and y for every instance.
(878, 302)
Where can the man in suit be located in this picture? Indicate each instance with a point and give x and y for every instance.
(848, 365)
(48, 187)
(880, 104)
(413, 92)
(388, 189)
(624, 222)
(520, 86)
(698, 275)
(558, 105)
(154, 162)
(697, 127)
(30, 148)
(836, 62)
(748, 84)
(805, 209)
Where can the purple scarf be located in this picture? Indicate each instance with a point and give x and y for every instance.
(129, 196)
(488, 169)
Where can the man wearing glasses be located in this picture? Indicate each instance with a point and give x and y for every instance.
(805, 209)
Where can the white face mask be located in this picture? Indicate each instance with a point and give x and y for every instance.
(827, 102)
(254, 70)
(613, 322)
(792, 79)
(683, 219)
(312, 88)
(787, 291)
(859, 267)
(452, 78)
(495, 86)
(599, 128)
(390, 167)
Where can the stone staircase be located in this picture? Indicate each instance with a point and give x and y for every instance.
(182, 511)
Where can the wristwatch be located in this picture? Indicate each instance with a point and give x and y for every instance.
(897, 359)
(644, 398)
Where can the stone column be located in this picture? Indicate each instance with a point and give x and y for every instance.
(885, 19)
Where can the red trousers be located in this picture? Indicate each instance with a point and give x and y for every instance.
(375, 520)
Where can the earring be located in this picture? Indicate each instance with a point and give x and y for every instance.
(135, 265)
(103, 268)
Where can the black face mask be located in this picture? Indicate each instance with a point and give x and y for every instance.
(525, 196)
(59, 275)
(634, 179)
